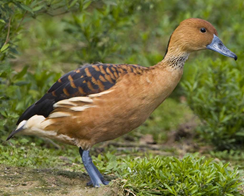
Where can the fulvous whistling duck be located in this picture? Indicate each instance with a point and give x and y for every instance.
(100, 102)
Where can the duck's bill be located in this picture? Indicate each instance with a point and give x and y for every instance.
(218, 46)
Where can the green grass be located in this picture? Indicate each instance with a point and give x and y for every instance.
(143, 175)
(23, 153)
(191, 175)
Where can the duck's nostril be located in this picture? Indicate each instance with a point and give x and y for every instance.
(220, 44)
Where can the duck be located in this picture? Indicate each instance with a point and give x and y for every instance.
(100, 102)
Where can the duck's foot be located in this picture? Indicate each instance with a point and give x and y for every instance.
(96, 177)
(105, 182)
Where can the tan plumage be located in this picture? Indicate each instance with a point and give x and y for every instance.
(104, 101)
(111, 113)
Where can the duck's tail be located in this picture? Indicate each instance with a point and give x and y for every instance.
(29, 127)
(18, 129)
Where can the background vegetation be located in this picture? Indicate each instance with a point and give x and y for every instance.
(41, 40)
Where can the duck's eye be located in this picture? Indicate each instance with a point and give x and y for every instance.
(203, 30)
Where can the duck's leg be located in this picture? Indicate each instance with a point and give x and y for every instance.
(95, 175)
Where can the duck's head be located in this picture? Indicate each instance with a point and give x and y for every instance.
(196, 34)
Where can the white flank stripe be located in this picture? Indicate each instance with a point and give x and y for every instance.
(82, 99)
(34, 121)
(80, 109)
(47, 134)
(64, 102)
(58, 114)
(71, 101)
(36, 126)
(100, 94)
(46, 123)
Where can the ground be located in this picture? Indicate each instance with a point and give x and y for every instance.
(26, 181)
(68, 177)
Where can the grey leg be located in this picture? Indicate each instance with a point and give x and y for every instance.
(105, 182)
(95, 175)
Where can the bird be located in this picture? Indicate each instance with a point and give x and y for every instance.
(100, 102)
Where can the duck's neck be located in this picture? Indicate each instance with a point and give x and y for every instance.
(165, 76)
(175, 61)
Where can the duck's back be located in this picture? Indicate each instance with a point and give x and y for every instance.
(84, 81)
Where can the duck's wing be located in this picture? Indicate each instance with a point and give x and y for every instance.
(89, 79)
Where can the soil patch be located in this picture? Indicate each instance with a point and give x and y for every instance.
(27, 181)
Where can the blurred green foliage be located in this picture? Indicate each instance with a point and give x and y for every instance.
(234, 155)
(13, 13)
(215, 93)
(214, 87)
(20, 89)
